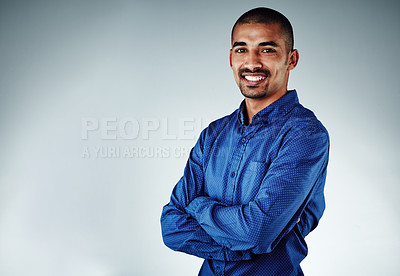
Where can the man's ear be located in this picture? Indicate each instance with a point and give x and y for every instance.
(230, 57)
(293, 59)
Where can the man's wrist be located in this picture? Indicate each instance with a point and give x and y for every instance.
(196, 204)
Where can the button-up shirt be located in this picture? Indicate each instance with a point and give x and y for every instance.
(251, 193)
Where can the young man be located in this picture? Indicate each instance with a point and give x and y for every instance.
(253, 186)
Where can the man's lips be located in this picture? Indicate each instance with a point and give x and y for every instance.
(253, 79)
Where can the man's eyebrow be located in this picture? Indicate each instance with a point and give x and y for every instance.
(238, 44)
(266, 43)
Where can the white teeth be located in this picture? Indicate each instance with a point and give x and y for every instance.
(254, 78)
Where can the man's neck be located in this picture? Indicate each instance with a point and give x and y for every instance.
(253, 106)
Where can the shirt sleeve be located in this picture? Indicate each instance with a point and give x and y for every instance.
(180, 231)
(258, 226)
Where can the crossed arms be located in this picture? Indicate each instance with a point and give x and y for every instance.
(199, 225)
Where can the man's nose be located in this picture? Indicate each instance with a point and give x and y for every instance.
(253, 61)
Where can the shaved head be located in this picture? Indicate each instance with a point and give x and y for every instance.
(268, 16)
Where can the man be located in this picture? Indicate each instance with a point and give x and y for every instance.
(252, 188)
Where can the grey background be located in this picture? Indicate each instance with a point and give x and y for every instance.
(63, 61)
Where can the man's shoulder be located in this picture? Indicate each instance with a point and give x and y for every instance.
(302, 118)
(215, 128)
(219, 124)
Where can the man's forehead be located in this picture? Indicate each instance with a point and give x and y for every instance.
(248, 28)
(258, 32)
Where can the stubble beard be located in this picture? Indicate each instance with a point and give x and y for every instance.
(252, 93)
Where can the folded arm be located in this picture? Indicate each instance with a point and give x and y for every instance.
(182, 232)
(286, 188)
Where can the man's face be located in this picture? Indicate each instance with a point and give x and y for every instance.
(260, 61)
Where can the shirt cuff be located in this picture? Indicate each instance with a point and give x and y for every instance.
(194, 207)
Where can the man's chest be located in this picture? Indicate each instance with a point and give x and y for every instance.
(238, 163)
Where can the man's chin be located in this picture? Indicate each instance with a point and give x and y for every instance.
(254, 94)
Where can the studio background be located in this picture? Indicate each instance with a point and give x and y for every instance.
(101, 100)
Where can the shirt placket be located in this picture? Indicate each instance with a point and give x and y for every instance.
(237, 156)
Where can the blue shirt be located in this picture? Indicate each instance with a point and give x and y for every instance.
(245, 188)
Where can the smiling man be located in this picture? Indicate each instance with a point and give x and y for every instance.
(253, 186)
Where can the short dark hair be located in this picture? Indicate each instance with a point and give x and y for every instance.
(268, 16)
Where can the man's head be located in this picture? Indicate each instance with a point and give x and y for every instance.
(268, 16)
(262, 54)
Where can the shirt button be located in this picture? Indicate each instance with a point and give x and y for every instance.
(243, 140)
(232, 174)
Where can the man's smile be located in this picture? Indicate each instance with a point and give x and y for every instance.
(253, 79)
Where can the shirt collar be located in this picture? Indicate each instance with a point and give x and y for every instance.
(277, 109)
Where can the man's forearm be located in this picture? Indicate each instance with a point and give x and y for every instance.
(181, 232)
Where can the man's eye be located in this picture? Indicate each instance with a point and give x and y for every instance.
(268, 50)
(240, 50)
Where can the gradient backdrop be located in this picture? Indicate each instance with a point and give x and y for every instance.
(100, 102)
